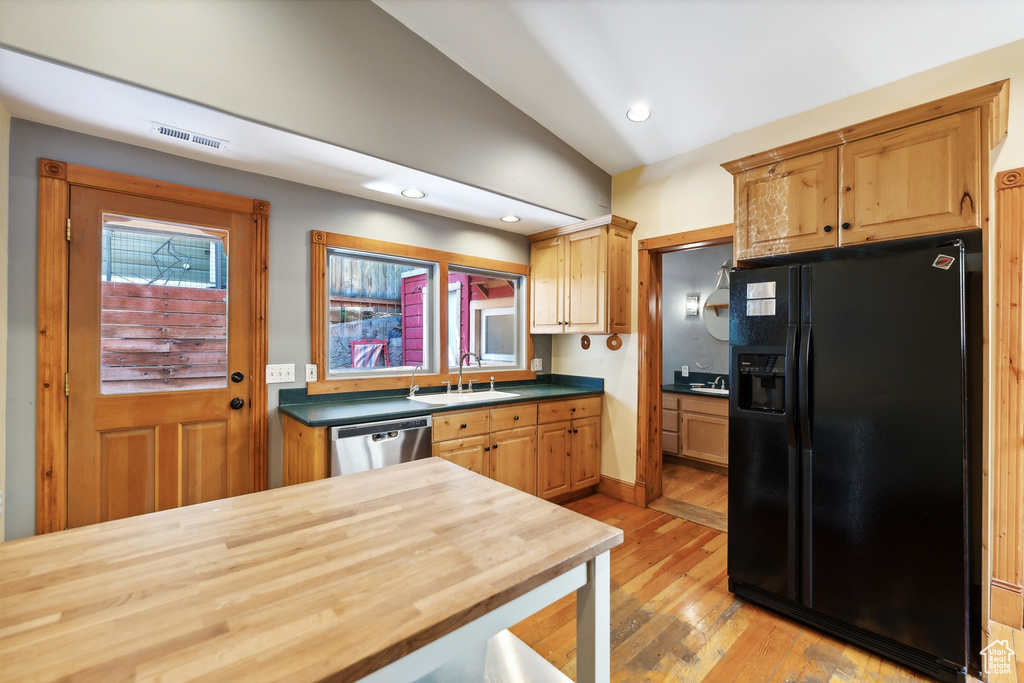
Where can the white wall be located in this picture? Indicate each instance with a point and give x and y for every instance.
(692, 191)
(346, 73)
(5, 138)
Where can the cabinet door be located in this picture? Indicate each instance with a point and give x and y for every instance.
(553, 471)
(919, 180)
(787, 207)
(586, 265)
(470, 453)
(547, 277)
(514, 458)
(585, 447)
(706, 438)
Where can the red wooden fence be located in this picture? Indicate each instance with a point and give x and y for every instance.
(161, 338)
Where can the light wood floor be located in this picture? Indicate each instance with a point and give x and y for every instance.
(674, 619)
(694, 494)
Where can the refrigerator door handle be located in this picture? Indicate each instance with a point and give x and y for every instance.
(803, 528)
(793, 462)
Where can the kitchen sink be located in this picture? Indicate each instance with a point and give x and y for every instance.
(711, 390)
(468, 397)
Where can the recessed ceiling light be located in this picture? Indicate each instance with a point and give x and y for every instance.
(413, 193)
(638, 112)
(510, 219)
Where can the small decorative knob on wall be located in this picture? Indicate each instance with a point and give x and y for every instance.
(614, 342)
(585, 342)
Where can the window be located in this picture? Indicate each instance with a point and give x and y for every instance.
(380, 313)
(382, 310)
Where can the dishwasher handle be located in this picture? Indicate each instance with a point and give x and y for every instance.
(384, 436)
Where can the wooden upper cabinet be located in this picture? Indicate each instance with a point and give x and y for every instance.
(919, 180)
(913, 173)
(787, 207)
(580, 278)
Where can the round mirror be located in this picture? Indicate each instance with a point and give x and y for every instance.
(715, 313)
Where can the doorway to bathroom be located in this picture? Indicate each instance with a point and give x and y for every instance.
(683, 457)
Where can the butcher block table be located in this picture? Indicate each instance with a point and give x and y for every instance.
(381, 576)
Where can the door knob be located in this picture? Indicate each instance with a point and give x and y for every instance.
(237, 377)
(237, 403)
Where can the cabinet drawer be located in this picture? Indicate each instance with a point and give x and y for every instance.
(457, 425)
(511, 417)
(670, 442)
(669, 421)
(572, 409)
(705, 405)
(669, 401)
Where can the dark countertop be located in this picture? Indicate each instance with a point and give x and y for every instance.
(681, 384)
(686, 389)
(343, 409)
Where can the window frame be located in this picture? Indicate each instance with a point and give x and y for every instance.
(320, 243)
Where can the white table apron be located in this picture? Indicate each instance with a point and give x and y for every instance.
(592, 584)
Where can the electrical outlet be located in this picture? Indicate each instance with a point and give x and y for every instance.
(283, 372)
(536, 364)
(310, 372)
(685, 371)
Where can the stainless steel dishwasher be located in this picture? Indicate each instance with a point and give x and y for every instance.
(371, 445)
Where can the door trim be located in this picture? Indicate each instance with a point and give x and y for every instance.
(55, 181)
(649, 322)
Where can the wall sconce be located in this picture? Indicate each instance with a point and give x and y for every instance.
(692, 304)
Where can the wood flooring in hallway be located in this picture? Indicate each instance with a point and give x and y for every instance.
(674, 619)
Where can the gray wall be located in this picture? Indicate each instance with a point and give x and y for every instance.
(685, 340)
(344, 72)
(295, 210)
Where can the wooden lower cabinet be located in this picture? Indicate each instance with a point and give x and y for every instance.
(306, 452)
(560, 456)
(500, 443)
(568, 450)
(514, 458)
(704, 428)
(471, 453)
(669, 423)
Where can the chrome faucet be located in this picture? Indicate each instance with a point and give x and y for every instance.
(714, 385)
(414, 388)
(462, 359)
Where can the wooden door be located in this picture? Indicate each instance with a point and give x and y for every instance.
(788, 207)
(585, 446)
(159, 355)
(470, 453)
(547, 277)
(514, 458)
(919, 180)
(585, 261)
(553, 470)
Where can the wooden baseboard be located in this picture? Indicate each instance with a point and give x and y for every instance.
(622, 490)
(1007, 604)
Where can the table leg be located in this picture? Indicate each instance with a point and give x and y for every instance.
(593, 623)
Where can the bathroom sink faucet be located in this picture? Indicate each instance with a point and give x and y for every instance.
(463, 360)
(714, 385)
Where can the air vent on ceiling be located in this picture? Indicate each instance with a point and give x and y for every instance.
(188, 136)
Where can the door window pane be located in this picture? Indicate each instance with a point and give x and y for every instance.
(164, 305)
(380, 313)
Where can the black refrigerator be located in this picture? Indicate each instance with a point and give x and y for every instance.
(855, 450)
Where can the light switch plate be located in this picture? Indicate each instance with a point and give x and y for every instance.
(310, 372)
(685, 371)
(536, 364)
(282, 372)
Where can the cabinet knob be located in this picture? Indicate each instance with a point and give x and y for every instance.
(828, 228)
(516, 417)
(462, 426)
(568, 431)
(487, 448)
(846, 226)
(495, 446)
(575, 431)
(573, 410)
